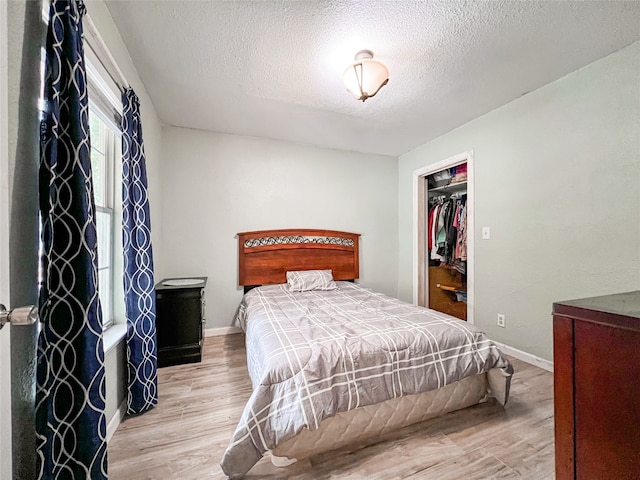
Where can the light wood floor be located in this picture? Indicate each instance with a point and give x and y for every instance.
(185, 436)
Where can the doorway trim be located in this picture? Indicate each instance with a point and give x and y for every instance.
(420, 261)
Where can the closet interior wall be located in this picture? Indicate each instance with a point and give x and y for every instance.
(445, 240)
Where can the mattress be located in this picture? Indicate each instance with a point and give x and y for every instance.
(316, 355)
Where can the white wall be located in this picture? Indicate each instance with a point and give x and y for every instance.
(557, 180)
(216, 185)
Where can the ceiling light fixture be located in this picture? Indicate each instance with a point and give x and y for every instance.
(365, 76)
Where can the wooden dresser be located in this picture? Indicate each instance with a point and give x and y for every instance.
(596, 345)
(180, 320)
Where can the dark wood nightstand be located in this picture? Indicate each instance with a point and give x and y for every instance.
(180, 320)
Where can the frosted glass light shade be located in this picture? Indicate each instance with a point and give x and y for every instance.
(365, 76)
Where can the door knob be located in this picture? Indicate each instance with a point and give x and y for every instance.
(18, 316)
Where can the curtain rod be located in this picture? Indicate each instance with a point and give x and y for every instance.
(102, 48)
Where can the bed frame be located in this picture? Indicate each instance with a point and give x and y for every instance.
(264, 258)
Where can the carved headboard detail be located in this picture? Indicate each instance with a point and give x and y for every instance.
(266, 256)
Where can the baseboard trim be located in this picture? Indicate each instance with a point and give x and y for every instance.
(215, 332)
(526, 357)
(116, 419)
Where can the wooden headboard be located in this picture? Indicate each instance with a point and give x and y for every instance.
(266, 256)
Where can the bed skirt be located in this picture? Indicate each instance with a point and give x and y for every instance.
(357, 426)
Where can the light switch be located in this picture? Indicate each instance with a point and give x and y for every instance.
(486, 233)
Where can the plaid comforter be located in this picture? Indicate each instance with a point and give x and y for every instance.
(314, 354)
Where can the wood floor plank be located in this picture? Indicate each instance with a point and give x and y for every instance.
(184, 437)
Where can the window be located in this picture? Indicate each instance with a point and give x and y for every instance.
(105, 150)
(105, 112)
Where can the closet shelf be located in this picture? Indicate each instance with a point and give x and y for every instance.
(451, 188)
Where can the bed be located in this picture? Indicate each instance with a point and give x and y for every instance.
(334, 364)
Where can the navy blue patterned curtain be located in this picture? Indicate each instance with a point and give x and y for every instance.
(70, 394)
(139, 289)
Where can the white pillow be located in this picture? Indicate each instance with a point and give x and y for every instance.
(305, 280)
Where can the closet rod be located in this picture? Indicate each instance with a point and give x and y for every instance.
(453, 196)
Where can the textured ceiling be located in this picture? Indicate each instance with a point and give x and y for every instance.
(273, 68)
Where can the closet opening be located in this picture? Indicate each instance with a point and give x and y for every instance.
(443, 240)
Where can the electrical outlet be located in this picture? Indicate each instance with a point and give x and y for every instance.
(502, 322)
